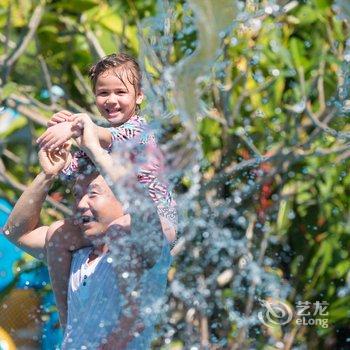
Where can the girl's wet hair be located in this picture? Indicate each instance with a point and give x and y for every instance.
(124, 63)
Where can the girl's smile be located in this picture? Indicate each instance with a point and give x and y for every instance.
(116, 97)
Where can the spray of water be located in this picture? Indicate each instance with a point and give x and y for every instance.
(222, 267)
(217, 272)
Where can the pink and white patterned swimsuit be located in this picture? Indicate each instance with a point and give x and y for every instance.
(136, 128)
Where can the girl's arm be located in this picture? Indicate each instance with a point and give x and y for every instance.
(104, 136)
(61, 129)
(151, 174)
(55, 136)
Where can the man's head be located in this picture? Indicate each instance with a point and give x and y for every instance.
(116, 82)
(95, 205)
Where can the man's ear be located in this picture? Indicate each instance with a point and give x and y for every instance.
(139, 97)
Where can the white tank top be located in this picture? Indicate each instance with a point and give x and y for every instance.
(94, 301)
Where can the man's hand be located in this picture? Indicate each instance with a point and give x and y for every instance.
(53, 161)
(60, 117)
(88, 138)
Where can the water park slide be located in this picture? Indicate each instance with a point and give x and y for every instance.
(26, 317)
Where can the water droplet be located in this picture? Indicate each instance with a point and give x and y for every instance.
(268, 10)
(275, 72)
(234, 41)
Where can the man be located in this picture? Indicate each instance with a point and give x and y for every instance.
(116, 286)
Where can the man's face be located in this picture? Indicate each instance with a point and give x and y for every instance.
(116, 98)
(95, 205)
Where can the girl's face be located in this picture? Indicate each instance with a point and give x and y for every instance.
(116, 97)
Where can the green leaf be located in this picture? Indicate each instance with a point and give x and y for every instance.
(112, 22)
(321, 4)
(131, 35)
(76, 6)
(338, 29)
(52, 29)
(342, 268)
(282, 217)
(16, 124)
(319, 263)
(296, 48)
(307, 15)
(8, 89)
(278, 89)
(339, 310)
(210, 127)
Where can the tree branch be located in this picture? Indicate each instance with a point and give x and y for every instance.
(324, 127)
(23, 43)
(7, 28)
(15, 102)
(3, 39)
(9, 180)
(47, 78)
(94, 44)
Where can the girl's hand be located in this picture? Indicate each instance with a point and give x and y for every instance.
(88, 138)
(56, 135)
(60, 117)
(52, 162)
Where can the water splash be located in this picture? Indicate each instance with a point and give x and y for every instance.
(215, 245)
(224, 262)
(211, 22)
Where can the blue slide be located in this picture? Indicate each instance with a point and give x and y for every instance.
(35, 279)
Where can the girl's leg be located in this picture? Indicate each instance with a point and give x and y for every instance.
(62, 238)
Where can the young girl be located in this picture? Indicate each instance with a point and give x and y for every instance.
(116, 82)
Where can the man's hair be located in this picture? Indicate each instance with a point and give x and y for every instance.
(124, 63)
(86, 167)
(83, 166)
